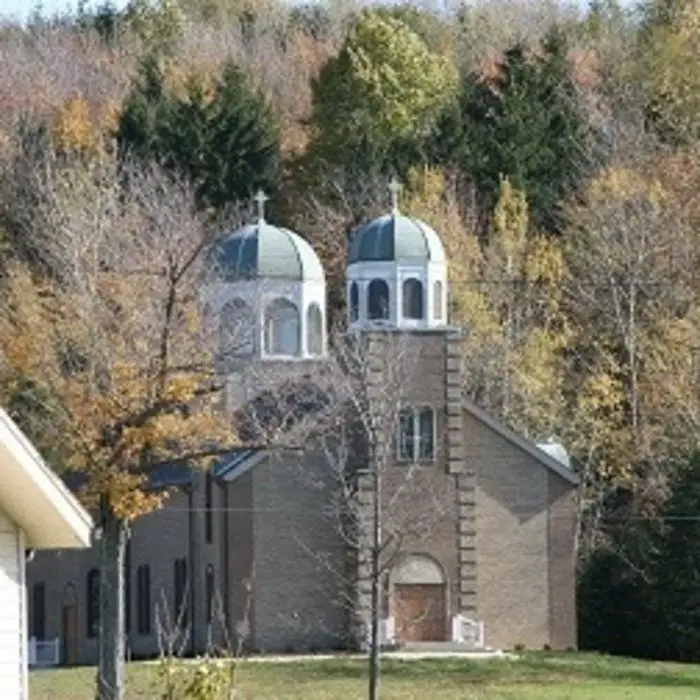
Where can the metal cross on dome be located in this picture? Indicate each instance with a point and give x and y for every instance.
(260, 199)
(395, 188)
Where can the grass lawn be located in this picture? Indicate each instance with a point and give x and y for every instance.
(536, 676)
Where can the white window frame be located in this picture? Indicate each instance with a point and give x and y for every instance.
(415, 413)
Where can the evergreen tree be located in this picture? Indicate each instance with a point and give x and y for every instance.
(242, 148)
(222, 137)
(677, 567)
(525, 124)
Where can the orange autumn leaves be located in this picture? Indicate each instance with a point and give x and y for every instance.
(127, 384)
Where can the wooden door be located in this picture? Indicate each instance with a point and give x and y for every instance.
(69, 634)
(419, 612)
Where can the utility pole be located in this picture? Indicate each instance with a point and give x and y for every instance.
(374, 573)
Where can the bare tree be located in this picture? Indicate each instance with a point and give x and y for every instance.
(372, 463)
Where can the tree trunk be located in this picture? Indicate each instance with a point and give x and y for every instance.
(112, 646)
(374, 601)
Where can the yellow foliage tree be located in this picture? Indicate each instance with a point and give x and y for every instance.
(114, 345)
(80, 128)
(631, 253)
(672, 76)
(507, 295)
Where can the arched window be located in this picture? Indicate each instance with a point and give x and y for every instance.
(418, 569)
(282, 328)
(437, 300)
(235, 329)
(354, 302)
(93, 602)
(314, 329)
(378, 300)
(412, 293)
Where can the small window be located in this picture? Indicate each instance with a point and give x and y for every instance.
(39, 611)
(314, 330)
(180, 586)
(209, 586)
(208, 506)
(143, 586)
(437, 300)
(354, 302)
(412, 293)
(416, 435)
(93, 602)
(378, 300)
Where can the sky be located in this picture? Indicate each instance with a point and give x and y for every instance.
(21, 9)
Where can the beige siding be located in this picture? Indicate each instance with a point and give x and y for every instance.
(63, 573)
(240, 605)
(209, 554)
(298, 556)
(562, 563)
(12, 619)
(421, 504)
(512, 540)
(158, 539)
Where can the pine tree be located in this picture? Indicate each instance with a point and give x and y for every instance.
(525, 124)
(243, 143)
(677, 566)
(221, 136)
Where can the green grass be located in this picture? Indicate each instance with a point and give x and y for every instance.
(532, 677)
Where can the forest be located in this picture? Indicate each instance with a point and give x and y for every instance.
(554, 147)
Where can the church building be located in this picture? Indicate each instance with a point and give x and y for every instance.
(268, 550)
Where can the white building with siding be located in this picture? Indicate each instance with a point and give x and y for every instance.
(36, 512)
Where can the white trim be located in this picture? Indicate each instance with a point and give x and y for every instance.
(247, 465)
(40, 503)
(387, 631)
(403, 574)
(525, 445)
(460, 624)
(23, 616)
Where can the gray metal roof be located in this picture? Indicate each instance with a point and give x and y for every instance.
(268, 252)
(235, 460)
(395, 237)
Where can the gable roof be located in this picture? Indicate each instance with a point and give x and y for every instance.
(545, 459)
(35, 498)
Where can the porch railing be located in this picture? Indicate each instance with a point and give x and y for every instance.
(44, 652)
(468, 632)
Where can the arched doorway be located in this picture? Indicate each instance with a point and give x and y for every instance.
(419, 599)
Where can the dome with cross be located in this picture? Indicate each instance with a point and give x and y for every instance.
(397, 272)
(260, 250)
(268, 292)
(395, 237)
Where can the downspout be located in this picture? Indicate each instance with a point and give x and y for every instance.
(225, 559)
(191, 529)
